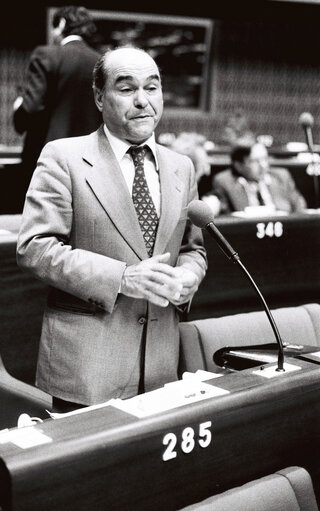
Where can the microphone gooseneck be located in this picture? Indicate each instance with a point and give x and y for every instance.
(306, 121)
(201, 215)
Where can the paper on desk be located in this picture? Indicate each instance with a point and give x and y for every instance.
(312, 211)
(25, 437)
(172, 395)
(201, 375)
(258, 213)
(56, 415)
(315, 354)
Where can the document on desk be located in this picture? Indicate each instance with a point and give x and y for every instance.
(188, 390)
(56, 415)
(172, 395)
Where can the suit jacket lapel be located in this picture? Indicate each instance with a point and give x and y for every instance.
(239, 196)
(105, 178)
(171, 197)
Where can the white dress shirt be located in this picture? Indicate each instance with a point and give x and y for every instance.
(252, 188)
(151, 167)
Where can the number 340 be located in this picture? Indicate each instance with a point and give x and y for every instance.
(187, 441)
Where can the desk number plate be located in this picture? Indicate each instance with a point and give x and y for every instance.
(188, 440)
(269, 229)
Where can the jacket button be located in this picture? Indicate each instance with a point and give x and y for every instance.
(142, 320)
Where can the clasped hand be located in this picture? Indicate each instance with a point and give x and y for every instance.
(155, 280)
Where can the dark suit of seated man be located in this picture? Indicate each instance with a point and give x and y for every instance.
(252, 182)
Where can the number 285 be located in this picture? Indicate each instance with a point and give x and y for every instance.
(187, 441)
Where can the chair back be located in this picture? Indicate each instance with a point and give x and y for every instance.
(200, 339)
(289, 489)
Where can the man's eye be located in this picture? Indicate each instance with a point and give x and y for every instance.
(125, 90)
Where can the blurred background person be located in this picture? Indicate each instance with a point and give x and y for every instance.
(237, 129)
(56, 99)
(252, 182)
(193, 145)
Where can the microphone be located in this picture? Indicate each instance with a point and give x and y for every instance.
(306, 120)
(201, 215)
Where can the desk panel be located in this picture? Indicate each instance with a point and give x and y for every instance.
(281, 253)
(108, 459)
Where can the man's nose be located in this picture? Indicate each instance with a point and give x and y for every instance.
(140, 99)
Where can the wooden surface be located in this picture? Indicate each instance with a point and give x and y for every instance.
(285, 268)
(108, 459)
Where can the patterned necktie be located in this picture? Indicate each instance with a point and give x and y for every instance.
(142, 200)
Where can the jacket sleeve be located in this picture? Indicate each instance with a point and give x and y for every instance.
(36, 92)
(192, 252)
(298, 202)
(44, 248)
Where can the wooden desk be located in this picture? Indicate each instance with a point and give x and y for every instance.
(109, 459)
(285, 268)
(10, 155)
(281, 253)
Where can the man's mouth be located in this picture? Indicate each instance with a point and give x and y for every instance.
(141, 116)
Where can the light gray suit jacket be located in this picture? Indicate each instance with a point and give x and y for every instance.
(79, 230)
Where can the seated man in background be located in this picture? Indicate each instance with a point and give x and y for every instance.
(252, 182)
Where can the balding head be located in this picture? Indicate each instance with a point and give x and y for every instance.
(126, 56)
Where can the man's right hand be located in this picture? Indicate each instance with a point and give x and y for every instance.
(152, 279)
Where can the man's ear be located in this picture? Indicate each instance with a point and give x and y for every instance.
(97, 94)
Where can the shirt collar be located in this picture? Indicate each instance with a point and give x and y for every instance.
(120, 147)
(70, 38)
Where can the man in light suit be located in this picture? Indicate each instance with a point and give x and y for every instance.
(252, 182)
(110, 328)
(56, 99)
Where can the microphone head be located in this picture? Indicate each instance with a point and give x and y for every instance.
(306, 120)
(200, 213)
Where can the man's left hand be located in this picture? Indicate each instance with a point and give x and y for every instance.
(190, 283)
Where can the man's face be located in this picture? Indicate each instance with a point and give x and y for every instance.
(132, 101)
(256, 164)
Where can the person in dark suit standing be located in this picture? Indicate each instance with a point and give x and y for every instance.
(105, 225)
(56, 100)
